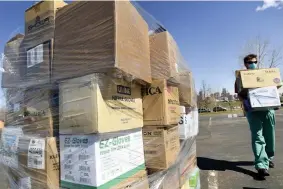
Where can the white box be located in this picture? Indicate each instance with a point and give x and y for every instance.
(100, 161)
(188, 124)
(195, 122)
(263, 98)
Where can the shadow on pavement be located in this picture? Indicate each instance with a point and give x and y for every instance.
(222, 165)
(252, 188)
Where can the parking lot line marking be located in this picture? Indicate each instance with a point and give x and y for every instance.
(212, 179)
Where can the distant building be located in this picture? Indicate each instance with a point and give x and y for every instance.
(216, 95)
(224, 92)
(231, 97)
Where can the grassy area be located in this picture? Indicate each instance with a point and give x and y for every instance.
(226, 112)
(229, 105)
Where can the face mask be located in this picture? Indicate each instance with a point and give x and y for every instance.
(252, 66)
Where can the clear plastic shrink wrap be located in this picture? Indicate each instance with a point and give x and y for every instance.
(95, 96)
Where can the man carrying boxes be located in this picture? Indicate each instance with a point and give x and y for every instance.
(257, 89)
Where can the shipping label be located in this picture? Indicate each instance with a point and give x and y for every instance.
(35, 56)
(36, 154)
(9, 148)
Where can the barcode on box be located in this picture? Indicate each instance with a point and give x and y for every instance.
(85, 180)
(37, 162)
(150, 152)
(83, 157)
(69, 177)
(84, 168)
(66, 166)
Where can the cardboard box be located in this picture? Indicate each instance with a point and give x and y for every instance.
(41, 111)
(40, 18)
(160, 104)
(36, 158)
(102, 160)
(187, 125)
(258, 78)
(96, 36)
(161, 146)
(163, 57)
(264, 98)
(38, 42)
(13, 67)
(187, 94)
(14, 103)
(188, 162)
(38, 161)
(98, 103)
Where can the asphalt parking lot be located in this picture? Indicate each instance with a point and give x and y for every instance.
(225, 155)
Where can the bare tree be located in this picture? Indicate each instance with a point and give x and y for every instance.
(276, 58)
(204, 88)
(267, 56)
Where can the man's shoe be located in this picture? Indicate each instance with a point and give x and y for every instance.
(263, 172)
(271, 164)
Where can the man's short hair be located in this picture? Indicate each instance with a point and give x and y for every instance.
(249, 57)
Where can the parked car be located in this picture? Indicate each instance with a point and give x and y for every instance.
(219, 109)
(203, 110)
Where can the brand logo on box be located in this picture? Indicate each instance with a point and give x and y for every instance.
(38, 23)
(123, 90)
(151, 91)
(276, 80)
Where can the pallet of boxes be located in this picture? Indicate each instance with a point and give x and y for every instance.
(169, 142)
(93, 101)
(261, 87)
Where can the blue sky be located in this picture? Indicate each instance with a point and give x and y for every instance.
(211, 35)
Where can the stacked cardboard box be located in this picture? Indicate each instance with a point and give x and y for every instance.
(161, 114)
(100, 112)
(164, 57)
(38, 43)
(100, 132)
(32, 102)
(261, 86)
(163, 130)
(95, 36)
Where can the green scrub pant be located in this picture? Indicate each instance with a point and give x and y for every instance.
(262, 126)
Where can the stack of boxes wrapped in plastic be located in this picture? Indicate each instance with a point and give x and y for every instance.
(97, 97)
(261, 87)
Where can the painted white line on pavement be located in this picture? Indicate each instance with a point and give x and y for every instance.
(230, 115)
(212, 179)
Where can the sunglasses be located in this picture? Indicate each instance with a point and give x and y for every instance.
(251, 62)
